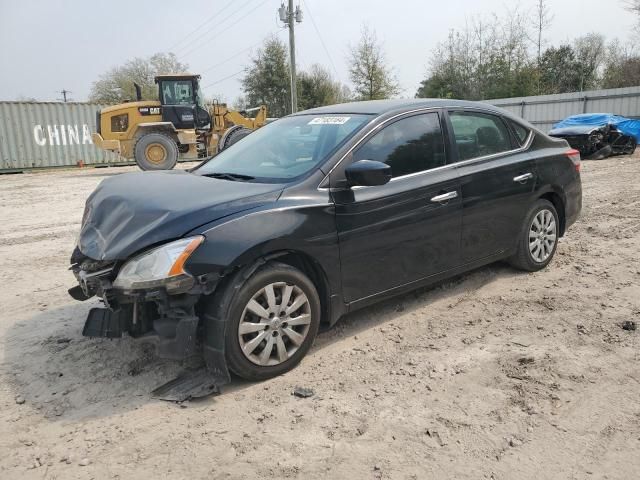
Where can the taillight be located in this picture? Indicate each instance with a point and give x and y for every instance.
(574, 156)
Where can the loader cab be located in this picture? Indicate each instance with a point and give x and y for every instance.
(182, 101)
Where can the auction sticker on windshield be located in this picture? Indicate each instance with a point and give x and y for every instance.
(329, 121)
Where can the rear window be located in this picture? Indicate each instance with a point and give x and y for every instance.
(479, 134)
(521, 132)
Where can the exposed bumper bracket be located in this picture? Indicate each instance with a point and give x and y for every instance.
(102, 322)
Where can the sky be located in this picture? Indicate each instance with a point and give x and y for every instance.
(48, 46)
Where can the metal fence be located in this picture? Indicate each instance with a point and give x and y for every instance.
(49, 134)
(545, 110)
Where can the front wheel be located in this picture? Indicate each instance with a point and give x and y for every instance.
(630, 147)
(156, 151)
(272, 320)
(538, 239)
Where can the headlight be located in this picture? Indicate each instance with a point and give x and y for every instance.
(160, 266)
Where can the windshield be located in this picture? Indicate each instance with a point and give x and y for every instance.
(285, 149)
(177, 92)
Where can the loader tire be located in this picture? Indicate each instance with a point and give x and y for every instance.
(234, 136)
(156, 151)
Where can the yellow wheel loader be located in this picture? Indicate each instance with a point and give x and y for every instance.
(177, 126)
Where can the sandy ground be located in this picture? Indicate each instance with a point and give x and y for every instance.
(497, 374)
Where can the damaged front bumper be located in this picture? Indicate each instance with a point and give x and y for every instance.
(167, 316)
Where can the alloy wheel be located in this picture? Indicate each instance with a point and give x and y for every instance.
(274, 324)
(542, 235)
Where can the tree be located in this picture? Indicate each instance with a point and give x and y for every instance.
(486, 59)
(267, 80)
(116, 85)
(316, 88)
(558, 70)
(372, 78)
(543, 19)
(590, 51)
(633, 6)
(622, 66)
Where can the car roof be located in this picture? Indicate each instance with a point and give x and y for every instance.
(380, 107)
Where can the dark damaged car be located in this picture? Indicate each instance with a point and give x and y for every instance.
(599, 135)
(313, 216)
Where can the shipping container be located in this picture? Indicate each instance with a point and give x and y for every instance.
(49, 134)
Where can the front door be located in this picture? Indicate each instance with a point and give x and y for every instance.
(408, 229)
(178, 102)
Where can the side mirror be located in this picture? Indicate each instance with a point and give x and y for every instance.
(368, 173)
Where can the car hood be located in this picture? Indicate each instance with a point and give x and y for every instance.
(574, 130)
(131, 211)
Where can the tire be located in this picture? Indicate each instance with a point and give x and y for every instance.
(631, 146)
(527, 256)
(276, 331)
(156, 151)
(234, 137)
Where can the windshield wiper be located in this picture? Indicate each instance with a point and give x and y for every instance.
(229, 176)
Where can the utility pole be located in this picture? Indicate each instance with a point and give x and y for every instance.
(290, 17)
(64, 95)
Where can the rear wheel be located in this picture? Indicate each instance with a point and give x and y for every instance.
(233, 137)
(156, 151)
(538, 239)
(272, 322)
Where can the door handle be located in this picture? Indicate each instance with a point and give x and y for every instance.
(445, 197)
(523, 178)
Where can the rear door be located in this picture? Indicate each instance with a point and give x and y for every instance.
(398, 233)
(498, 177)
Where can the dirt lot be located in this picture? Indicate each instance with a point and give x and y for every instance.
(497, 374)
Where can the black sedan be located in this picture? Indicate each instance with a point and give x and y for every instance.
(313, 216)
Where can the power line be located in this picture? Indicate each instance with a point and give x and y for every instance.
(241, 51)
(217, 33)
(225, 78)
(217, 25)
(306, 5)
(218, 13)
(234, 56)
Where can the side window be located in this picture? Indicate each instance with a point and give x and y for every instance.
(478, 134)
(410, 145)
(521, 132)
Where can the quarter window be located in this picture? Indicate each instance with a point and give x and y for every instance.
(479, 135)
(413, 144)
(521, 132)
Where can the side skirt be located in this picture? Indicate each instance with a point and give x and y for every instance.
(408, 287)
